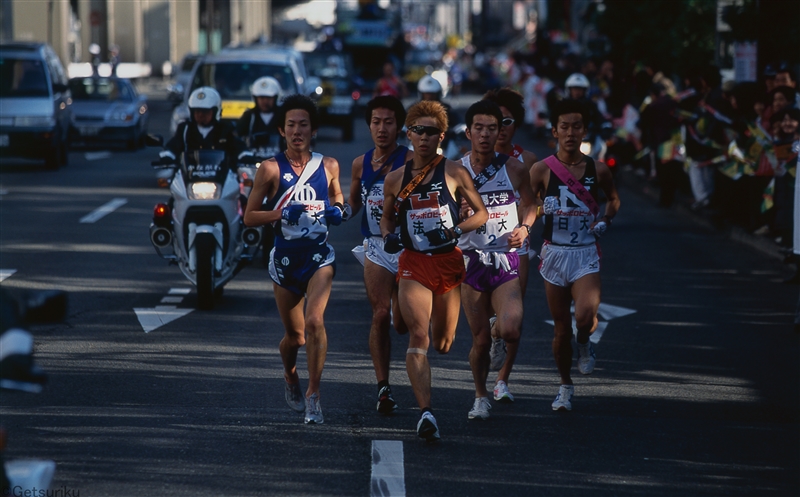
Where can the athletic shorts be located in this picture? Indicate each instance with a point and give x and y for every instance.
(373, 249)
(439, 273)
(564, 265)
(487, 277)
(526, 245)
(292, 268)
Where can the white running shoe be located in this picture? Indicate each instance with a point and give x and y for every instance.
(427, 428)
(562, 402)
(480, 409)
(586, 358)
(497, 354)
(501, 393)
(294, 397)
(313, 410)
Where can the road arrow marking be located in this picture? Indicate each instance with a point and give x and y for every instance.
(388, 478)
(154, 318)
(104, 210)
(5, 273)
(609, 312)
(606, 311)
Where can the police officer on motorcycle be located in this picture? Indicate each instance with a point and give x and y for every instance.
(430, 89)
(577, 88)
(256, 126)
(204, 131)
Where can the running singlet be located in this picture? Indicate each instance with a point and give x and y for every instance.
(373, 199)
(501, 202)
(569, 225)
(311, 229)
(516, 152)
(429, 207)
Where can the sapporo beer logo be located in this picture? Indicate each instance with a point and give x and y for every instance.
(305, 194)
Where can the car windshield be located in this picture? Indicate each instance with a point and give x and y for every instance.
(188, 63)
(100, 89)
(326, 66)
(22, 78)
(233, 79)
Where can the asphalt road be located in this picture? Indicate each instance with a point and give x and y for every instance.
(697, 392)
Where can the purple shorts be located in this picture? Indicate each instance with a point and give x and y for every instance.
(487, 277)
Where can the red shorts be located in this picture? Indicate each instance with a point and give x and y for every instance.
(439, 273)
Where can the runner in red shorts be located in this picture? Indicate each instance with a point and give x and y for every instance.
(431, 267)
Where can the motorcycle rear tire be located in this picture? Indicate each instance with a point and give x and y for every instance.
(205, 247)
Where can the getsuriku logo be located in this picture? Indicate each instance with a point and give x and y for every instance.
(19, 491)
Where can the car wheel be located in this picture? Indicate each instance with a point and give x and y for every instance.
(52, 158)
(347, 130)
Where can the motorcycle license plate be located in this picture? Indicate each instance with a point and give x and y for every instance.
(88, 131)
(4, 141)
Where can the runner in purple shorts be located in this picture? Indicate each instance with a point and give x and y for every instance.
(492, 277)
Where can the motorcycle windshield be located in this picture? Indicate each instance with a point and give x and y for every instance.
(265, 144)
(205, 165)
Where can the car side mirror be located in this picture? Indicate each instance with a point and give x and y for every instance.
(154, 140)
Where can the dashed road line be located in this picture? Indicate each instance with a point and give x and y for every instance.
(388, 474)
(5, 273)
(156, 317)
(104, 210)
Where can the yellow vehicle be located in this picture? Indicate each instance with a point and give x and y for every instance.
(232, 73)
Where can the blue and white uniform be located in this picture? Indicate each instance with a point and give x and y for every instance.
(301, 248)
(372, 200)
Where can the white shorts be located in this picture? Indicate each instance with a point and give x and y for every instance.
(372, 249)
(563, 265)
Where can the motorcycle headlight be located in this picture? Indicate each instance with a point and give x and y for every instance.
(586, 148)
(204, 190)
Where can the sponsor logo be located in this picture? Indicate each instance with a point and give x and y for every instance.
(437, 186)
(285, 261)
(431, 201)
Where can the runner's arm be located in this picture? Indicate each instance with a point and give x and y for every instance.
(391, 187)
(334, 188)
(355, 184)
(466, 188)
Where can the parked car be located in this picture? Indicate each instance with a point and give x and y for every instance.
(182, 77)
(108, 109)
(35, 104)
(339, 91)
(233, 71)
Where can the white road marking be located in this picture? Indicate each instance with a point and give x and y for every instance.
(104, 210)
(3, 191)
(5, 273)
(606, 311)
(154, 318)
(97, 155)
(388, 478)
(171, 300)
(179, 291)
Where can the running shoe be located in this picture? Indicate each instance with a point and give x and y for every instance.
(386, 403)
(586, 358)
(313, 410)
(480, 409)
(497, 354)
(501, 393)
(427, 427)
(294, 397)
(562, 402)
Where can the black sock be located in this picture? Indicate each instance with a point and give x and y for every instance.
(383, 383)
(426, 409)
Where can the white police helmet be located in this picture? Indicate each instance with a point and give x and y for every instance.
(266, 87)
(428, 84)
(206, 97)
(577, 80)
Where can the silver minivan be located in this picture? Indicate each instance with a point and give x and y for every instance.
(35, 102)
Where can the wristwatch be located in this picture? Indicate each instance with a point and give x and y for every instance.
(607, 220)
(457, 232)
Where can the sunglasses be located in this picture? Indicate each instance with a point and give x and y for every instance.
(508, 121)
(428, 130)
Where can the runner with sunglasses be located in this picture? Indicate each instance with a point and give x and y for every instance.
(490, 252)
(511, 105)
(570, 257)
(431, 267)
(385, 116)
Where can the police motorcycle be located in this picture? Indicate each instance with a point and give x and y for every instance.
(201, 228)
(20, 373)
